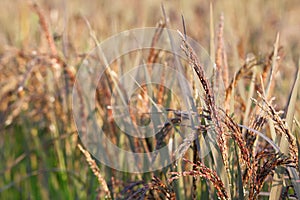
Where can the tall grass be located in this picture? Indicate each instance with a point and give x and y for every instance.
(257, 138)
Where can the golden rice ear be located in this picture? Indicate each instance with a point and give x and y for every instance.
(274, 67)
(209, 100)
(200, 170)
(95, 170)
(221, 55)
(248, 65)
(45, 26)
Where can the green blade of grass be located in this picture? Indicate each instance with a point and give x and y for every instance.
(239, 174)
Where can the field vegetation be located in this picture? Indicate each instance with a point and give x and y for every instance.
(254, 119)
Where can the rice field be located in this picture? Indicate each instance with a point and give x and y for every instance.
(149, 99)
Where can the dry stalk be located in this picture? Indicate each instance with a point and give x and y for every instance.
(238, 137)
(45, 26)
(161, 88)
(199, 169)
(268, 62)
(153, 54)
(281, 127)
(158, 186)
(155, 189)
(95, 170)
(249, 63)
(209, 100)
(152, 57)
(221, 57)
(264, 164)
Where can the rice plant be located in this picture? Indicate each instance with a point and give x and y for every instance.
(236, 138)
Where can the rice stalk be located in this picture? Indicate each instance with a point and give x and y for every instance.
(289, 143)
(96, 171)
(45, 26)
(199, 169)
(249, 64)
(209, 98)
(221, 56)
